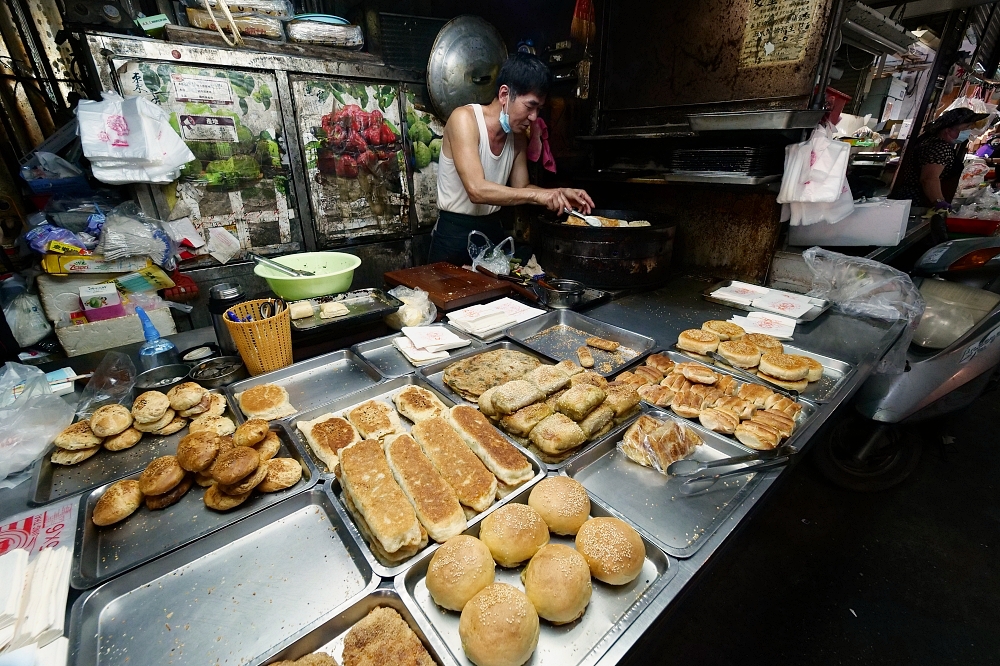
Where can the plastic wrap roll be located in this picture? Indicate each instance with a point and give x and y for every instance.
(311, 31)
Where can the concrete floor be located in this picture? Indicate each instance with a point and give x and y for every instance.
(822, 575)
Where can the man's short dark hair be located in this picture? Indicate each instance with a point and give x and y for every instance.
(524, 73)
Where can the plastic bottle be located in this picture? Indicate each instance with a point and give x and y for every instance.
(156, 351)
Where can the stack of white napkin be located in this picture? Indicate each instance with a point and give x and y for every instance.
(53, 654)
(421, 345)
(33, 597)
(764, 322)
(773, 300)
(488, 319)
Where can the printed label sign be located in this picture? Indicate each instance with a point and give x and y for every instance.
(45, 528)
(209, 128)
(777, 31)
(209, 89)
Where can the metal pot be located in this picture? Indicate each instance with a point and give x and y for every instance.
(565, 294)
(162, 378)
(218, 372)
(606, 257)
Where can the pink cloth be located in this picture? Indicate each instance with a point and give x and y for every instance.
(538, 145)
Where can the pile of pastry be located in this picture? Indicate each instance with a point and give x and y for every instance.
(381, 638)
(500, 622)
(229, 468)
(655, 443)
(116, 428)
(756, 415)
(757, 353)
(555, 409)
(403, 488)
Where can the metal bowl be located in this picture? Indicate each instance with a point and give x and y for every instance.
(218, 372)
(566, 294)
(162, 378)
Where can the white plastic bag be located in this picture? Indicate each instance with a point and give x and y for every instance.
(417, 310)
(29, 420)
(111, 384)
(491, 257)
(806, 213)
(815, 170)
(26, 320)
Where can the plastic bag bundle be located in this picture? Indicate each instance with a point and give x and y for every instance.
(491, 257)
(417, 310)
(30, 417)
(130, 141)
(128, 233)
(325, 30)
(26, 320)
(866, 288)
(111, 384)
(816, 173)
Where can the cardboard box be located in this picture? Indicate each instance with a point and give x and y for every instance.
(98, 335)
(101, 301)
(62, 264)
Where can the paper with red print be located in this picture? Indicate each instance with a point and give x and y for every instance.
(49, 527)
(789, 305)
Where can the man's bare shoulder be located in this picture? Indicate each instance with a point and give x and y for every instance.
(461, 119)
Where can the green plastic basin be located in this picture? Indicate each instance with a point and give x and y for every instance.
(334, 274)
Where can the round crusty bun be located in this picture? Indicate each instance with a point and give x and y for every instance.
(160, 476)
(562, 503)
(815, 369)
(698, 341)
(77, 436)
(185, 396)
(499, 627)
(118, 502)
(614, 551)
(740, 354)
(766, 343)
(110, 420)
(557, 582)
(784, 366)
(197, 451)
(513, 533)
(458, 571)
(150, 407)
(250, 432)
(789, 384)
(123, 440)
(234, 465)
(726, 330)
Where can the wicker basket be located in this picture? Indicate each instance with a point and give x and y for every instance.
(264, 345)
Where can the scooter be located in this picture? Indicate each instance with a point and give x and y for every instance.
(952, 360)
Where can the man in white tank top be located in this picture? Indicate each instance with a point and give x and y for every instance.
(483, 163)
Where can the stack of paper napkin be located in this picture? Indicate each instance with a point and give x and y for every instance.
(488, 319)
(425, 344)
(765, 322)
(33, 596)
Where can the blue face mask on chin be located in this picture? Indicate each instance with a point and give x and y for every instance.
(963, 136)
(505, 120)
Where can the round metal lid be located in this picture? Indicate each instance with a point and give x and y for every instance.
(464, 64)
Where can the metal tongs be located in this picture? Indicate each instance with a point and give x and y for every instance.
(703, 483)
(281, 268)
(589, 219)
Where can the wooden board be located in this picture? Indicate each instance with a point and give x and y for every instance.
(449, 286)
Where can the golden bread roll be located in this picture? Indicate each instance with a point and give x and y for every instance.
(250, 432)
(204, 479)
(779, 421)
(698, 341)
(632, 442)
(197, 451)
(176, 425)
(709, 394)
(150, 407)
(557, 582)
(172, 496)
(513, 533)
(562, 502)
(77, 436)
(220, 425)
(726, 330)
(740, 353)
(159, 424)
(661, 362)
(696, 373)
(719, 420)
(123, 440)
(118, 502)
(738, 407)
(601, 343)
(161, 476)
(727, 385)
(585, 356)
(246, 484)
(757, 435)
(234, 465)
(649, 373)
(796, 385)
(202, 406)
(755, 394)
(654, 394)
(268, 447)
(687, 404)
(74, 457)
(217, 405)
(784, 366)
(110, 420)
(815, 369)
(458, 571)
(778, 402)
(265, 401)
(499, 627)
(613, 550)
(557, 433)
(220, 501)
(281, 473)
(485, 402)
(766, 343)
(676, 381)
(185, 396)
(418, 404)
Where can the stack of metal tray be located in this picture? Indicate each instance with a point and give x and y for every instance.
(234, 597)
(51, 482)
(382, 354)
(104, 552)
(559, 334)
(584, 641)
(312, 383)
(384, 392)
(650, 501)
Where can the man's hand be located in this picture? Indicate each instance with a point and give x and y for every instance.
(578, 199)
(561, 198)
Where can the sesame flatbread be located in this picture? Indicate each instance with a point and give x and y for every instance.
(475, 375)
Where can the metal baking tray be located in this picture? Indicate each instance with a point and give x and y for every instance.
(584, 641)
(819, 305)
(434, 375)
(51, 482)
(650, 501)
(329, 637)
(806, 415)
(364, 305)
(233, 597)
(105, 552)
(743, 120)
(313, 382)
(558, 334)
(333, 487)
(391, 363)
(835, 373)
